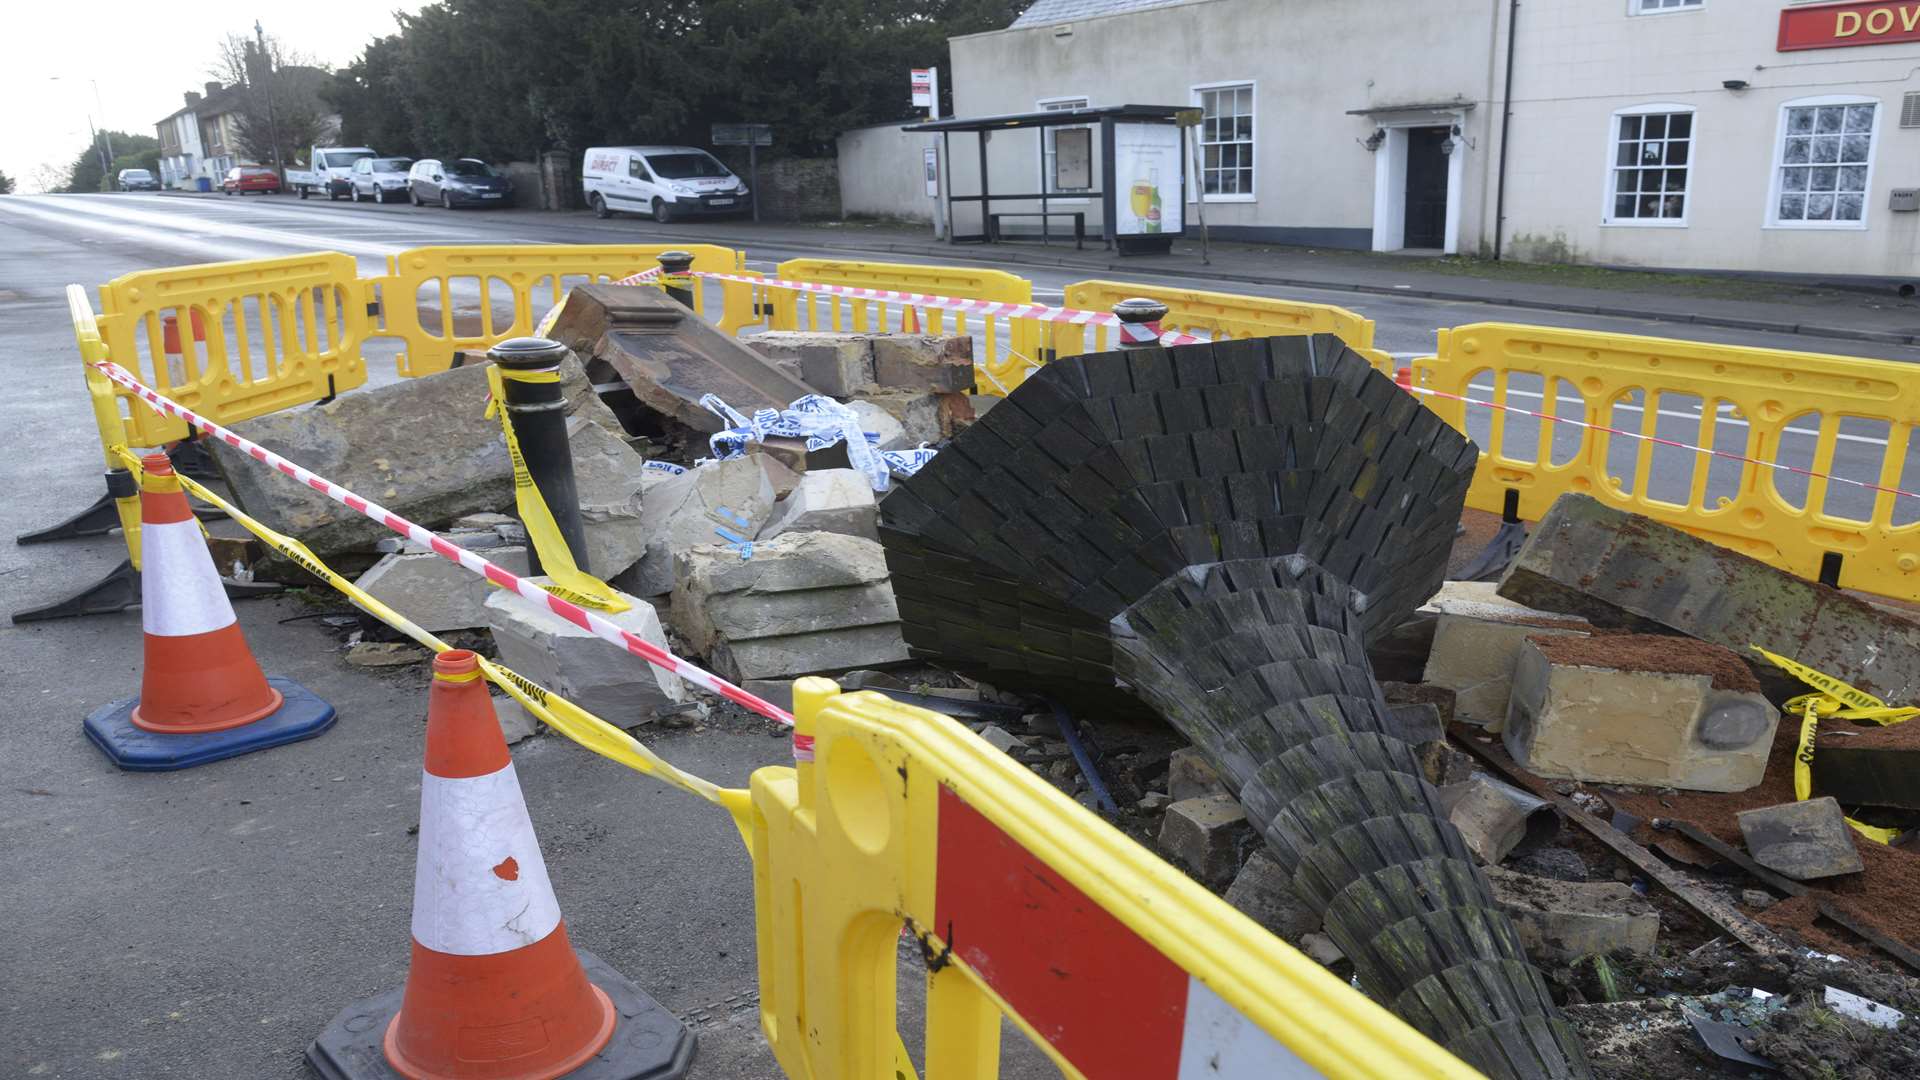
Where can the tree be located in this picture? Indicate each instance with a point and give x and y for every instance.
(51, 178)
(6, 184)
(129, 152)
(281, 111)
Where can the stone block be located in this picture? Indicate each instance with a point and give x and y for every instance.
(1263, 892)
(1191, 776)
(596, 675)
(1418, 721)
(836, 364)
(1632, 709)
(516, 723)
(878, 422)
(1404, 693)
(1209, 837)
(1473, 655)
(436, 593)
(682, 511)
(418, 447)
(1442, 764)
(1561, 921)
(924, 362)
(1619, 569)
(1497, 819)
(798, 583)
(1001, 739)
(925, 416)
(826, 652)
(1803, 840)
(609, 477)
(831, 500)
(774, 691)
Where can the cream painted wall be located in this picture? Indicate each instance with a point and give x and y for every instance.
(881, 172)
(1581, 60)
(1310, 60)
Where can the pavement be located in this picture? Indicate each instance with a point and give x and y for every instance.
(208, 923)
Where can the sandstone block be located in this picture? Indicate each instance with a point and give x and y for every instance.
(1561, 921)
(1209, 837)
(1473, 655)
(836, 364)
(618, 687)
(1634, 709)
(1264, 893)
(1191, 776)
(682, 511)
(825, 652)
(830, 500)
(924, 362)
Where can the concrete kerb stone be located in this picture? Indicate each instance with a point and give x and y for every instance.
(620, 688)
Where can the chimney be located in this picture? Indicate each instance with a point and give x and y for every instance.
(213, 88)
(192, 98)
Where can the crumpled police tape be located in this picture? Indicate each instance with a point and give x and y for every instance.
(556, 712)
(1832, 699)
(821, 422)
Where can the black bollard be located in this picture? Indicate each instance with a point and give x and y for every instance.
(676, 274)
(538, 412)
(1140, 322)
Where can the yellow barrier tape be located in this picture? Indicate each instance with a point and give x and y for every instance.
(556, 712)
(569, 582)
(1832, 698)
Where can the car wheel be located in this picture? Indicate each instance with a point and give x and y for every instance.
(662, 213)
(446, 201)
(224, 191)
(303, 191)
(412, 195)
(599, 206)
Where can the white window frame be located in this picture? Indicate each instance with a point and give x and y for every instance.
(1780, 152)
(1198, 169)
(1071, 196)
(1634, 10)
(1607, 181)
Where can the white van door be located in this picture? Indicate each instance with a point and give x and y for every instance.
(637, 186)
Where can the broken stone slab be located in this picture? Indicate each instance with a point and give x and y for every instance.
(1803, 840)
(1403, 693)
(1191, 776)
(772, 691)
(419, 447)
(924, 362)
(784, 460)
(1497, 819)
(1615, 568)
(671, 357)
(437, 593)
(925, 416)
(516, 723)
(830, 500)
(1562, 921)
(1209, 837)
(1443, 764)
(795, 584)
(609, 477)
(837, 364)
(1001, 739)
(878, 422)
(1638, 709)
(1263, 891)
(596, 675)
(827, 652)
(682, 512)
(1473, 655)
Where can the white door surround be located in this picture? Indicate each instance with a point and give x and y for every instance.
(1390, 176)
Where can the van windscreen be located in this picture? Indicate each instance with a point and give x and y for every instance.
(685, 166)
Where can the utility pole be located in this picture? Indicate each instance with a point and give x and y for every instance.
(104, 137)
(273, 127)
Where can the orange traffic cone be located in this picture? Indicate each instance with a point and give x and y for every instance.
(495, 990)
(910, 320)
(202, 696)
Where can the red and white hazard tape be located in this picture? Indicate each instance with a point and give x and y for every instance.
(596, 625)
(1781, 466)
(986, 308)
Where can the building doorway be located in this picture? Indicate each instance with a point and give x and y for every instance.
(1426, 208)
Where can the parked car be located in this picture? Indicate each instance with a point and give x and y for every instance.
(458, 182)
(665, 181)
(137, 180)
(378, 178)
(326, 171)
(244, 178)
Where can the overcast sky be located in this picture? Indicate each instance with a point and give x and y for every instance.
(144, 55)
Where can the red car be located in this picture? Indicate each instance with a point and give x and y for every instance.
(247, 178)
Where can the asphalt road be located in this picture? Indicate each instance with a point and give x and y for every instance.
(208, 923)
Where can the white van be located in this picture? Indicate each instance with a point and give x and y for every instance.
(668, 182)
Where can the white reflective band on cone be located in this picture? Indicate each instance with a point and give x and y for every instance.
(468, 898)
(1217, 1043)
(180, 591)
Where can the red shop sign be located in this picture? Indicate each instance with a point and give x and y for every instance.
(1840, 26)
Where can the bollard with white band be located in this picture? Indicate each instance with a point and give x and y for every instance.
(1139, 320)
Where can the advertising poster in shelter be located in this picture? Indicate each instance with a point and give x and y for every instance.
(1147, 173)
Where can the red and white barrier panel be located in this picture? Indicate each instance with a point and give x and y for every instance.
(1099, 993)
(985, 308)
(594, 624)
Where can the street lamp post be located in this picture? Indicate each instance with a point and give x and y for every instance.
(102, 142)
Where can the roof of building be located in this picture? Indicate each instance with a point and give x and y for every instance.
(1050, 12)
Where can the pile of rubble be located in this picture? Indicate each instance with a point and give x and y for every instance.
(1595, 729)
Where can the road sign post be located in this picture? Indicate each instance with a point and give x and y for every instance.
(925, 86)
(753, 137)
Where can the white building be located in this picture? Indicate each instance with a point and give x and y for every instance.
(181, 154)
(1708, 134)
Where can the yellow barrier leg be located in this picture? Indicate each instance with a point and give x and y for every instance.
(963, 1029)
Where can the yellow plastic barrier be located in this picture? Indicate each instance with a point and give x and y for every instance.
(101, 394)
(1006, 351)
(1845, 417)
(255, 336)
(1213, 315)
(1025, 904)
(443, 300)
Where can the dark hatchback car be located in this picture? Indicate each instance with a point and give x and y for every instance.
(458, 182)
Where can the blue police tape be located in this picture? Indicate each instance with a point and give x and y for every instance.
(667, 467)
(821, 422)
